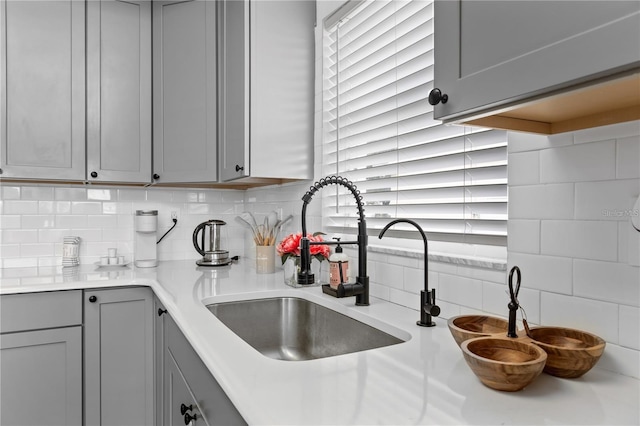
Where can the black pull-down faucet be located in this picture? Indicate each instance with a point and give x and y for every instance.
(428, 307)
(360, 289)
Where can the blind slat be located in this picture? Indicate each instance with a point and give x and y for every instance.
(379, 131)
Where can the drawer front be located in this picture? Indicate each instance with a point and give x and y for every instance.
(33, 311)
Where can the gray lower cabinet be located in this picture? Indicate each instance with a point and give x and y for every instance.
(190, 391)
(41, 359)
(42, 129)
(266, 76)
(119, 91)
(184, 88)
(490, 54)
(119, 361)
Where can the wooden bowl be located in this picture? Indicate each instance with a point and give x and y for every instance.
(571, 353)
(465, 327)
(502, 363)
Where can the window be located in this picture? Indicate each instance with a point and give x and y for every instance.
(379, 132)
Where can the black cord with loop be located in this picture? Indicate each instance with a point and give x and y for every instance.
(513, 304)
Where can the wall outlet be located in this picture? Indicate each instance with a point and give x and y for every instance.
(174, 215)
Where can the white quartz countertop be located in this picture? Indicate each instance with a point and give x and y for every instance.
(422, 381)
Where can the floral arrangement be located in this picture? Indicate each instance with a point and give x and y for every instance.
(290, 246)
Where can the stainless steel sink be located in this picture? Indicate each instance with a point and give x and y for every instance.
(295, 329)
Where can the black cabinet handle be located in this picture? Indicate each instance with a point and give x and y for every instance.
(94, 174)
(156, 176)
(93, 299)
(436, 96)
(160, 312)
(238, 168)
(188, 417)
(185, 408)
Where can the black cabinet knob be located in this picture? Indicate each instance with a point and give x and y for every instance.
(93, 299)
(188, 418)
(160, 312)
(185, 408)
(239, 168)
(436, 96)
(94, 174)
(156, 176)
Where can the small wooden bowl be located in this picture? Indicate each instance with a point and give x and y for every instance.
(502, 363)
(465, 327)
(571, 353)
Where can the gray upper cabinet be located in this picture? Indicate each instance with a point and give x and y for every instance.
(494, 54)
(119, 360)
(184, 86)
(42, 113)
(119, 91)
(266, 99)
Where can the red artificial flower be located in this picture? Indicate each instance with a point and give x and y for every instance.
(290, 246)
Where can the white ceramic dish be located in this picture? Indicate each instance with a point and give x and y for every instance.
(119, 265)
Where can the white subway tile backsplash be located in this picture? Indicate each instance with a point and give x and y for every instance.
(70, 221)
(9, 250)
(606, 200)
(101, 194)
(54, 235)
(10, 192)
(520, 142)
(39, 193)
(608, 281)
(603, 133)
(37, 250)
(545, 273)
(38, 221)
(413, 280)
(628, 157)
(621, 360)
(550, 201)
(389, 275)
(86, 207)
(630, 327)
(131, 195)
(11, 221)
(579, 163)
(70, 194)
(46, 207)
(593, 316)
(102, 221)
(404, 298)
(20, 207)
(524, 168)
(580, 239)
(61, 207)
(523, 236)
(464, 291)
(19, 236)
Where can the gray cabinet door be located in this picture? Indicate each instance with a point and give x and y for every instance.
(119, 382)
(41, 377)
(495, 53)
(267, 70)
(158, 352)
(119, 91)
(234, 42)
(42, 78)
(181, 361)
(178, 394)
(184, 90)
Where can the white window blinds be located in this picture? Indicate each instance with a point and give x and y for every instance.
(379, 132)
